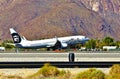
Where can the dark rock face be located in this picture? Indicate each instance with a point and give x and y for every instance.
(36, 19)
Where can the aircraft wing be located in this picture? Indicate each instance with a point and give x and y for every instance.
(11, 44)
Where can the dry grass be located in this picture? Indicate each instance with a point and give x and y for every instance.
(51, 72)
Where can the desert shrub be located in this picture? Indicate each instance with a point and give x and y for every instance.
(115, 69)
(114, 72)
(115, 76)
(48, 70)
(90, 74)
(64, 75)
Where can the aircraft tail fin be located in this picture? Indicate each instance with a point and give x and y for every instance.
(16, 37)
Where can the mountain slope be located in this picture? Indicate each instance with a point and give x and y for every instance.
(36, 19)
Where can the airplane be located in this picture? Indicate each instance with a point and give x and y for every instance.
(54, 43)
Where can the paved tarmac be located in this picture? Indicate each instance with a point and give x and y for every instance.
(59, 57)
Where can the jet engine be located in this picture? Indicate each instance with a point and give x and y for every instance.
(64, 45)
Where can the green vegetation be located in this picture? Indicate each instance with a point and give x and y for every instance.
(7, 44)
(108, 41)
(98, 44)
(117, 43)
(91, 44)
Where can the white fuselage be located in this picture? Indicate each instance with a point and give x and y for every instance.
(55, 43)
(46, 43)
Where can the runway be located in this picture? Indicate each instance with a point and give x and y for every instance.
(36, 60)
(59, 57)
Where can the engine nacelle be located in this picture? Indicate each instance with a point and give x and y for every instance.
(64, 45)
(59, 45)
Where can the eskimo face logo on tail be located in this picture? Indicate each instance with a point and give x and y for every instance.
(16, 38)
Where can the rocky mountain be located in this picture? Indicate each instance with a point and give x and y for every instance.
(36, 19)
